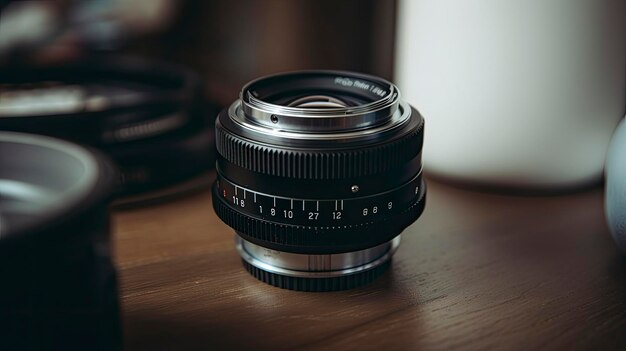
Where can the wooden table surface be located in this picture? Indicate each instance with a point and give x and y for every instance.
(476, 271)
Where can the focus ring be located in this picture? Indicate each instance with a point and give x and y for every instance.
(317, 284)
(293, 238)
(318, 164)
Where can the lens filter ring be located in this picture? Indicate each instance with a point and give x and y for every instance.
(97, 101)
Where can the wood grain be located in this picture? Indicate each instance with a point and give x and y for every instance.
(477, 271)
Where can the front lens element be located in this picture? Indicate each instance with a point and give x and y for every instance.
(318, 101)
(318, 174)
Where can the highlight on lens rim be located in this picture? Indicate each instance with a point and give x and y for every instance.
(318, 173)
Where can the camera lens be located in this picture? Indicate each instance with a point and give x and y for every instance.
(59, 287)
(318, 172)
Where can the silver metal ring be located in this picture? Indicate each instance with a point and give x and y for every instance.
(318, 120)
(322, 120)
(401, 116)
(315, 266)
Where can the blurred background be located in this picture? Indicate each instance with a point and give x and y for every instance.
(485, 74)
(227, 42)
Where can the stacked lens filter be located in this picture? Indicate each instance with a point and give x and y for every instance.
(151, 118)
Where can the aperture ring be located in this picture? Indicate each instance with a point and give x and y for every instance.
(317, 240)
(316, 163)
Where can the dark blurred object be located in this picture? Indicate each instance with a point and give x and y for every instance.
(228, 42)
(231, 42)
(151, 118)
(59, 288)
(58, 30)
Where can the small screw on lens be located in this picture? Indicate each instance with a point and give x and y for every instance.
(274, 119)
(354, 188)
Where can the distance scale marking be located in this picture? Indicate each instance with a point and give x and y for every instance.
(320, 212)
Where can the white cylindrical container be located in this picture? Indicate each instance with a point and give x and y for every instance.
(515, 93)
(615, 199)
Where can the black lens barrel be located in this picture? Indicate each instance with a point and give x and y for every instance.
(318, 184)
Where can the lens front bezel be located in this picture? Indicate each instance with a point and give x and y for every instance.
(371, 101)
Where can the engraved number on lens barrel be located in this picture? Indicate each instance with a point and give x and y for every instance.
(323, 212)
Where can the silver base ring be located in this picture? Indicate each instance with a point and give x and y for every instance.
(316, 266)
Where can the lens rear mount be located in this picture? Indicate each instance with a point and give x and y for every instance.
(326, 272)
